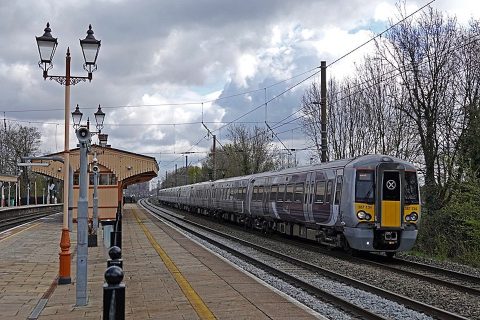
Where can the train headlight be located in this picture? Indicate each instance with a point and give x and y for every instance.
(414, 216)
(361, 215)
(368, 217)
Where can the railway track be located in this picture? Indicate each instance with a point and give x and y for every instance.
(18, 220)
(303, 274)
(452, 279)
(455, 280)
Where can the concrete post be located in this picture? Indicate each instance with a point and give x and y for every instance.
(70, 200)
(82, 222)
(95, 202)
(48, 192)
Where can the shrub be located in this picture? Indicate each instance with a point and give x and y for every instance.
(454, 231)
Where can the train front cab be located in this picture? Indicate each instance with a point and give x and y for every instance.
(386, 208)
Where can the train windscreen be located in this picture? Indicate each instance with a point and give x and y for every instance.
(364, 187)
(411, 188)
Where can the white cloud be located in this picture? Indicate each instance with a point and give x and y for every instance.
(183, 52)
(246, 68)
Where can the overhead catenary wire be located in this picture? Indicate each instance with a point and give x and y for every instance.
(247, 92)
(187, 103)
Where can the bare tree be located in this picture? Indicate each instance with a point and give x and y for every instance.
(249, 151)
(17, 141)
(468, 85)
(422, 51)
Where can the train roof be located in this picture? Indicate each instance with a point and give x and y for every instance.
(360, 161)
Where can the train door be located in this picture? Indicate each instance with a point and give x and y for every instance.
(308, 196)
(211, 196)
(266, 196)
(337, 193)
(390, 190)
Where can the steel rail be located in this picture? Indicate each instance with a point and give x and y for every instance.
(406, 301)
(326, 296)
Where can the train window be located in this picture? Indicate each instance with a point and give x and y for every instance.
(299, 189)
(328, 195)
(273, 193)
(320, 192)
(364, 187)
(289, 192)
(391, 186)
(260, 193)
(338, 190)
(255, 194)
(411, 188)
(281, 193)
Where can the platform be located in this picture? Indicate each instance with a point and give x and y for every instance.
(167, 276)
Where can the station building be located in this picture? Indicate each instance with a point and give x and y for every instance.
(117, 170)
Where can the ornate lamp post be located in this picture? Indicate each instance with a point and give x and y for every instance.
(46, 48)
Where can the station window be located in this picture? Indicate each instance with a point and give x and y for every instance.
(105, 179)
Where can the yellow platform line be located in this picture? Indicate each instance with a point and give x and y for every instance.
(197, 303)
(14, 234)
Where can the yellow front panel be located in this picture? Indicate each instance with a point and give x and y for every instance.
(390, 214)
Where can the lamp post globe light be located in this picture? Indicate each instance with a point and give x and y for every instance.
(47, 46)
(99, 118)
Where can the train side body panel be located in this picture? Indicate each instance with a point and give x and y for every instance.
(370, 203)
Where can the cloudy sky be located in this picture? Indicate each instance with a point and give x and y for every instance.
(166, 66)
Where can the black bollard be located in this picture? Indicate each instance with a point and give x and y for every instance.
(115, 254)
(114, 294)
(116, 235)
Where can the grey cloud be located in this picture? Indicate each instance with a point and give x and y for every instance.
(195, 44)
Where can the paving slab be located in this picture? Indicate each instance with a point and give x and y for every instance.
(29, 267)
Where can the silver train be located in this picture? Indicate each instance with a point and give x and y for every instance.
(369, 203)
